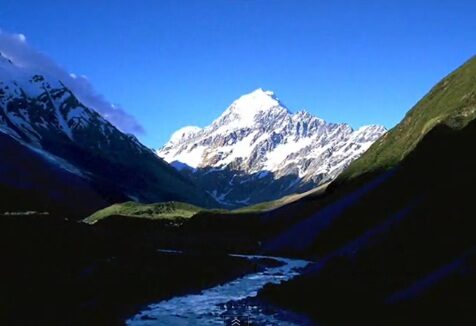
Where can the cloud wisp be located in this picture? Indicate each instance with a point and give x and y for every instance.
(17, 49)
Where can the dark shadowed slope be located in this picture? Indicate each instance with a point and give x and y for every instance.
(31, 181)
(42, 115)
(395, 247)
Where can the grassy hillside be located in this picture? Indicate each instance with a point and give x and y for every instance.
(179, 210)
(393, 247)
(451, 102)
(392, 253)
(168, 210)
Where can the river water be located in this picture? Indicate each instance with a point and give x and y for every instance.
(227, 304)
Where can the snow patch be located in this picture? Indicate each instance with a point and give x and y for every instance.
(275, 158)
(191, 157)
(183, 133)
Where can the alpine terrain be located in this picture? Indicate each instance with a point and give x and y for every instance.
(61, 154)
(258, 150)
(393, 236)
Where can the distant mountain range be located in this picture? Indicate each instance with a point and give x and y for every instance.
(73, 158)
(257, 150)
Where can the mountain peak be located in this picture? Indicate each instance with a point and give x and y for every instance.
(244, 111)
(261, 91)
(258, 100)
(258, 144)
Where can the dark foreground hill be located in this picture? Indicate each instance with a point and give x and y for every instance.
(57, 272)
(395, 243)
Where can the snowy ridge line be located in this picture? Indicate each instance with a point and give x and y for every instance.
(259, 136)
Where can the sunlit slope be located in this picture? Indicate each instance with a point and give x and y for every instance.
(391, 247)
(168, 210)
(451, 102)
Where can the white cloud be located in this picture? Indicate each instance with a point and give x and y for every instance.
(16, 48)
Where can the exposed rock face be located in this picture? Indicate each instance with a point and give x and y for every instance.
(258, 150)
(45, 117)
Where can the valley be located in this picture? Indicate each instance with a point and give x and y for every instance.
(392, 242)
(62, 272)
(268, 215)
(225, 303)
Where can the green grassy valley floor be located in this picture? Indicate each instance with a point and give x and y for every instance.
(181, 212)
(169, 211)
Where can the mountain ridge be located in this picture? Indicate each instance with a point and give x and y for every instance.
(258, 141)
(451, 102)
(46, 117)
(393, 235)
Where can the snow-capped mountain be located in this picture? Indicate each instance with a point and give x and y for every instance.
(37, 111)
(258, 150)
(44, 117)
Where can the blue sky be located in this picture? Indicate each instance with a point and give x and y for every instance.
(172, 63)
